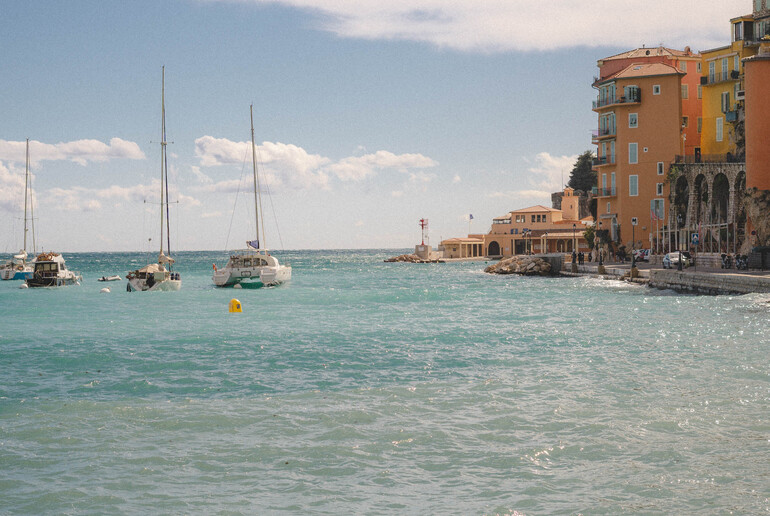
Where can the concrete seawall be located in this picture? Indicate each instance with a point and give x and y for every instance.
(708, 283)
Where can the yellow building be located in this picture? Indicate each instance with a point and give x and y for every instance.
(722, 93)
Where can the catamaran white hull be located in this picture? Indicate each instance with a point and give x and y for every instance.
(14, 274)
(267, 276)
(140, 285)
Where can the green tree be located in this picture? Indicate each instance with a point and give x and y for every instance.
(583, 177)
(589, 235)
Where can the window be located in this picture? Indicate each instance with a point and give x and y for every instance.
(633, 185)
(656, 89)
(633, 120)
(738, 33)
(700, 91)
(633, 150)
(612, 182)
(725, 101)
(612, 151)
(538, 219)
(660, 168)
(724, 68)
(658, 188)
(604, 151)
(685, 122)
(656, 208)
(604, 181)
(685, 92)
(683, 65)
(737, 63)
(609, 207)
(700, 124)
(533, 218)
(698, 67)
(720, 124)
(712, 72)
(736, 89)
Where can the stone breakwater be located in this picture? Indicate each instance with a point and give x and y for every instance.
(526, 265)
(411, 258)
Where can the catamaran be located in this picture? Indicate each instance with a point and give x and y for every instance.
(17, 267)
(159, 276)
(255, 263)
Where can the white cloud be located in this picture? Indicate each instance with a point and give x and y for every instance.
(356, 168)
(397, 193)
(551, 173)
(292, 165)
(11, 189)
(211, 214)
(79, 198)
(505, 25)
(547, 174)
(79, 151)
(203, 178)
(281, 163)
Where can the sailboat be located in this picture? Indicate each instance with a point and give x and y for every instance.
(17, 267)
(159, 276)
(255, 263)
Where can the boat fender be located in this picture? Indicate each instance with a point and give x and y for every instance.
(214, 265)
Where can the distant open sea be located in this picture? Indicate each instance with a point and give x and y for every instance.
(365, 387)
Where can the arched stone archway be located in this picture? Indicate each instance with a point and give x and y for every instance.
(493, 249)
(681, 202)
(721, 199)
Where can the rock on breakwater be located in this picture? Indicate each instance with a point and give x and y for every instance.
(411, 258)
(526, 265)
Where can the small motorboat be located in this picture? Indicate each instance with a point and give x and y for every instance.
(110, 278)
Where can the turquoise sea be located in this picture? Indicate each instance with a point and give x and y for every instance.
(365, 387)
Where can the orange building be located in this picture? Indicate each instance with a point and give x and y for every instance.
(645, 112)
(757, 101)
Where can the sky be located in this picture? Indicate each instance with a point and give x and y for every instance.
(369, 115)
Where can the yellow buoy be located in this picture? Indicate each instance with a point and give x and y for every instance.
(235, 306)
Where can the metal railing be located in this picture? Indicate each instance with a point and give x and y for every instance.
(604, 160)
(632, 98)
(603, 192)
(710, 158)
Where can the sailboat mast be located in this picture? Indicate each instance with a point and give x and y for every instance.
(26, 192)
(256, 177)
(165, 168)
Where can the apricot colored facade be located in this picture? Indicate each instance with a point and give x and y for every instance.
(640, 134)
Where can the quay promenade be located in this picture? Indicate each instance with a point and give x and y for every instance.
(700, 280)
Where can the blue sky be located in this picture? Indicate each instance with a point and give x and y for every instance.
(369, 115)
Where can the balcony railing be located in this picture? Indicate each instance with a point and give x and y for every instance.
(707, 80)
(603, 192)
(602, 133)
(710, 158)
(633, 97)
(604, 160)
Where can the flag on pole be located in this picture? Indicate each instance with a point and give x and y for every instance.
(470, 216)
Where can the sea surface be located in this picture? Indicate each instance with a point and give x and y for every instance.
(365, 387)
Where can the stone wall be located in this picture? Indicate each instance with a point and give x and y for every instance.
(705, 283)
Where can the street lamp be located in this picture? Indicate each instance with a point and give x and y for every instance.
(601, 262)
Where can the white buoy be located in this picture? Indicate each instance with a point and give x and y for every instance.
(237, 285)
(105, 290)
(23, 285)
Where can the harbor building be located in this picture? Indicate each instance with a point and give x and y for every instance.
(533, 230)
(722, 89)
(642, 128)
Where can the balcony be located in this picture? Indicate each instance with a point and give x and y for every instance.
(634, 97)
(604, 160)
(603, 192)
(602, 133)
